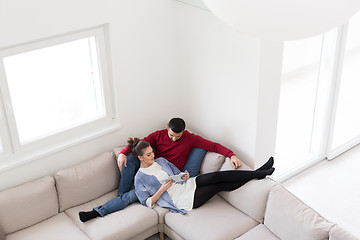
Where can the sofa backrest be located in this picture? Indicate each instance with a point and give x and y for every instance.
(289, 218)
(87, 180)
(28, 204)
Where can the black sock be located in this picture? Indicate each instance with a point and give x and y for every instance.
(267, 165)
(263, 173)
(86, 216)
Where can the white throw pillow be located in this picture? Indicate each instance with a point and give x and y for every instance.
(212, 162)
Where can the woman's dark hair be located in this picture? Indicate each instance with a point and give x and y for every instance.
(137, 147)
(177, 125)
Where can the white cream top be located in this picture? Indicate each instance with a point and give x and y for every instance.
(182, 194)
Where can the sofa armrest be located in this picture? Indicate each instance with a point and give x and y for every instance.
(251, 198)
(289, 218)
(338, 233)
(2, 234)
(227, 165)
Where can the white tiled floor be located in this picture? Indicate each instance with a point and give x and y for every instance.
(332, 188)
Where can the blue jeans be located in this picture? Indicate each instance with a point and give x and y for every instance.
(125, 196)
(128, 174)
(117, 203)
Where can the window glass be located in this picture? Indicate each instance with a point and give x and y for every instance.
(55, 88)
(300, 75)
(347, 121)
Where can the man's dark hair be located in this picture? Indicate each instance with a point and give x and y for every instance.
(177, 125)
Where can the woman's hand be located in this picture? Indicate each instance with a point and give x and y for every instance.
(186, 176)
(165, 186)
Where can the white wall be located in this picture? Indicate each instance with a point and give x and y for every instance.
(144, 65)
(168, 59)
(233, 83)
(220, 69)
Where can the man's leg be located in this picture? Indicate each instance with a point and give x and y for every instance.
(117, 203)
(113, 205)
(128, 174)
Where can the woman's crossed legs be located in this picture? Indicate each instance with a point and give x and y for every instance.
(209, 184)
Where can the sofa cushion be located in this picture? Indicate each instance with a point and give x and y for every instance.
(243, 197)
(212, 162)
(338, 233)
(216, 219)
(194, 161)
(87, 180)
(258, 232)
(125, 224)
(58, 227)
(28, 204)
(289, 218)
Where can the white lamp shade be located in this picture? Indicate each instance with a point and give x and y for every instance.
(283, 19)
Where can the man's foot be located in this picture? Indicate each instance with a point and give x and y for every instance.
(86, 216)
(269, 164)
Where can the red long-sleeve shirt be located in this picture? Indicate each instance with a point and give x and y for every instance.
(178, 151)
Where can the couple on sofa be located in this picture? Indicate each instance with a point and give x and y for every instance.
(174, 148)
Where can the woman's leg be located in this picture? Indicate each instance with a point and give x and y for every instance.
(269, 164)
(208, 185)
(234, 176)
(231, 176)
(205, 193)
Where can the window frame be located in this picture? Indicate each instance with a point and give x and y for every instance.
(14, 152)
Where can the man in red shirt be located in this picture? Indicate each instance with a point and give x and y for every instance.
(175, 144)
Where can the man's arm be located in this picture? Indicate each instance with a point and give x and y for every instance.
(121, 161)
(203, 143)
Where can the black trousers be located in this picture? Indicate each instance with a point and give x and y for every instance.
(209, 184)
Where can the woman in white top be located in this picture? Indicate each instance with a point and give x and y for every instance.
(152, 184)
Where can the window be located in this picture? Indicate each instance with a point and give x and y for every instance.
(318, 117)
(55, 91)
(299, 85)
(347, 120)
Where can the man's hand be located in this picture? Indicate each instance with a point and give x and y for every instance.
(235, 161)
(121, 160)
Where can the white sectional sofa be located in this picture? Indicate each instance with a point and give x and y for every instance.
(47, 208)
